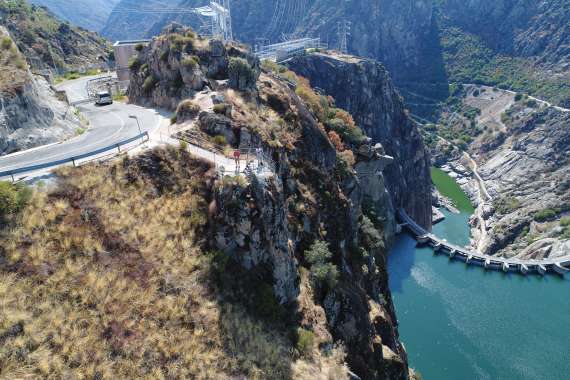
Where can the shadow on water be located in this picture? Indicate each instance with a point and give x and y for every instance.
(401, 265)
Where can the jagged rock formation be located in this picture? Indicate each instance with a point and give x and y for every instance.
(366, 91)
(49, 43)
(88, 14)
(325, 193)
(179, 64)
(30, 114)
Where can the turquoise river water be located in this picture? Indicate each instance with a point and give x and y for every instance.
(460, 322)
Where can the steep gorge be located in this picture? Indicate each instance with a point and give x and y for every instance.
(366, 91)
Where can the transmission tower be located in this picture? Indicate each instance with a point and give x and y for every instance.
(343, 30)
(222, 19)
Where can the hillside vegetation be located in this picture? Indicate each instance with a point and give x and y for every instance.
(88, 14)
(47, 42)
(105, 276)
(13, 74)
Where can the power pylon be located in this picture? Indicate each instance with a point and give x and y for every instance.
(343, 30)
(222, 20)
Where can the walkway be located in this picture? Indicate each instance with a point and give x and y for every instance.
(557, 265)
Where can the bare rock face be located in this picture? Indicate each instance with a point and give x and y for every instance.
(364, 88)
(30, 113)
(528, 176)
(32, 117)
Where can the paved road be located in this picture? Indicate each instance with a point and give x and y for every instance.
(108, 125)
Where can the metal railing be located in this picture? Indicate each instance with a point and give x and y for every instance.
(74, 159)
(247, 154)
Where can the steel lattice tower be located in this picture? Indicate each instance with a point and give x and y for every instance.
(343, 30)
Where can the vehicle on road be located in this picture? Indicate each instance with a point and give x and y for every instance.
(103, 97)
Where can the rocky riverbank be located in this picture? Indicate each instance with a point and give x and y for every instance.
(521, 194)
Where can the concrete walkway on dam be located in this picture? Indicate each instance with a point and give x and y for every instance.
(558, 265)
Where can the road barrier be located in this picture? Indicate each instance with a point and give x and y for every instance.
(74, 159)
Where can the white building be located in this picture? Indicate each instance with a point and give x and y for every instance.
(124, 51)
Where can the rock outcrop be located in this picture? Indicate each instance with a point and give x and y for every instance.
(180, 63)
(365, 90)
(30, 113)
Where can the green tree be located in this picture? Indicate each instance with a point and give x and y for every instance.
(323, 271)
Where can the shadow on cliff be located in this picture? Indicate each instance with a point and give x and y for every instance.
(425, 83)
(258, 332)
(401, 261)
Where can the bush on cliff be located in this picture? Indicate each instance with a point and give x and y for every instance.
(323, 271)
(242, 76)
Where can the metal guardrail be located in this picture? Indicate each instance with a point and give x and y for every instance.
(10, 173)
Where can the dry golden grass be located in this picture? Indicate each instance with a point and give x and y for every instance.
(104, 278)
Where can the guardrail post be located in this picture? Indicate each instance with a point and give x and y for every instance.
(12, 175)
(119, 148)
(73, 159)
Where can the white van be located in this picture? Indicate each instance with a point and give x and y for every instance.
(103, 97)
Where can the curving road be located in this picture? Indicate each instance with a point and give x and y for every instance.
(108, 125)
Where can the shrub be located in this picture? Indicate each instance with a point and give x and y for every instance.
(187, 109)
(370, 236)
(8, 199)
(6, 43)
(149, 84)
(346, 117)
(518, 97)
(565, 222)
(546, 214)
(173, 119)
(220, 140)
(139, 47)
(336, 141)
(13, 198)
(222, 109)
(305, 341)
(531, 103)
(322, 270)
(191, 62)
(135, 64)
(506, 205)
(241, 75)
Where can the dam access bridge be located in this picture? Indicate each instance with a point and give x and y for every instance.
(557, 265)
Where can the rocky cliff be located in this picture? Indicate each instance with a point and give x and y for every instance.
(366, 91)
(48, 43)
(314, 224)
(30, 113)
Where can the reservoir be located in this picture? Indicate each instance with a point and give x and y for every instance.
(461, 322)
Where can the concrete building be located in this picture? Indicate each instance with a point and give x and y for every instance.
(124, 51)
